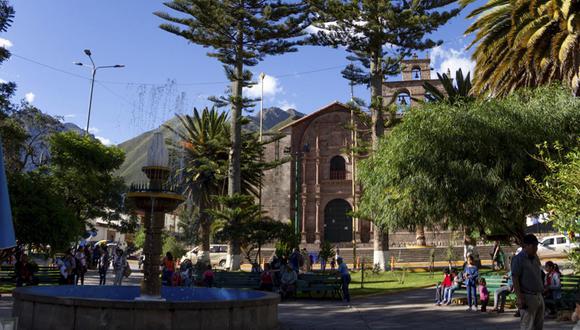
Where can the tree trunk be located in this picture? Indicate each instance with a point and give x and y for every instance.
(468, 242)
(380, 241)
(234, 175)
(204, 254)
(420, 236)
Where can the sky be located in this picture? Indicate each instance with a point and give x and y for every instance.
(163, 75)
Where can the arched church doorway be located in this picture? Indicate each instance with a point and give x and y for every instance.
(337, 222)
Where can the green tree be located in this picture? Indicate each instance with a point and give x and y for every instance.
(41, 214)
(241, 34)
(379, 33)
(232, 217)
(560, 189)
(525, 44)
(83, 169)
(466, 164)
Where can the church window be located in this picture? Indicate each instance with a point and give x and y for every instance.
(337, 168)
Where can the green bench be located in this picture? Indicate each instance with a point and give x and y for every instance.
(493, 282)
(237, 280)
(45, 275)
(320, 285)
(570, 286)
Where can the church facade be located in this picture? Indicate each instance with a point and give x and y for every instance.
(315, 187)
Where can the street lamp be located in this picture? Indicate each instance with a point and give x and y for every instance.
(262, 76)
(94, 69)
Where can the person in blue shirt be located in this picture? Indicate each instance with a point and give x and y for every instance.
(471, 274)
(345, 277)
(501, 293)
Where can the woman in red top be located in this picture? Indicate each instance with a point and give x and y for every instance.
(208, 277)
(266, 280)
(168, 269)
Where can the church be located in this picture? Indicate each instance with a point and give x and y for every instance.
(315, 189)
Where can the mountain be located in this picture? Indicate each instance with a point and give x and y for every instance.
(39, 126)
(136, 148)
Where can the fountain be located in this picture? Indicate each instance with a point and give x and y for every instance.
(150, 306)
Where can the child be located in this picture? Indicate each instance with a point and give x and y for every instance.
(440, 289)
(470, 274)
(447, 284)
(483, 294)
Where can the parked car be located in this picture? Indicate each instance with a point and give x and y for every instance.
(217, 254)
(555, 246)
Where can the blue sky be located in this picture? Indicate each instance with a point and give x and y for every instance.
(164, 74)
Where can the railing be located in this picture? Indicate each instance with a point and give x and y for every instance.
(338, 175)
(146, 187)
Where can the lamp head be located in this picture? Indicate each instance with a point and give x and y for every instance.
(88, 52)
(119, 65)
(78, 63)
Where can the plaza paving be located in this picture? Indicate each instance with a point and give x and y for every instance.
(404, 310)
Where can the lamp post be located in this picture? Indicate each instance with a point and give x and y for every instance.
(94, 69)
(262, 76)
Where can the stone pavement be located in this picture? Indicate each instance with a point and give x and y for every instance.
(406, 310)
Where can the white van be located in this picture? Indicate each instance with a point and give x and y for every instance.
(217, 254)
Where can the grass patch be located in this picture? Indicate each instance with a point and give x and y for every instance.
(389, 282)
(6, 287)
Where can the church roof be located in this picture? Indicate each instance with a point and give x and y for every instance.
(325, 109)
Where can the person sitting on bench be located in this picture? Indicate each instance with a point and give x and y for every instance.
(288, 282)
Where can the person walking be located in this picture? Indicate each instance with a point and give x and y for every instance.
(103, 266)
(528, 285)
(119, 264)
(345, 277)
(81, 262)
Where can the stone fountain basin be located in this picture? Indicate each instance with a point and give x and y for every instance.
(114, 307)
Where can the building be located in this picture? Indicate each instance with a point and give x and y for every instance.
(315, 187)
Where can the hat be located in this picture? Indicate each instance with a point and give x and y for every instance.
(530, 239)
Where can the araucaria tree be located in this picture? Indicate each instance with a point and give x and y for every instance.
(241, 34)
(379, 33)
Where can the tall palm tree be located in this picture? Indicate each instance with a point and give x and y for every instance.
(526, 43)
(204, 138)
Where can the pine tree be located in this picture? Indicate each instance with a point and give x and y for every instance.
(240, 33)
(379, 33)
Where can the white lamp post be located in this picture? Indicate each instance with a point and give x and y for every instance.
(94, 69)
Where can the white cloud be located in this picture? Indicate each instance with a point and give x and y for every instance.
(271, 88)
(451, 59)
(5, 43)
(29, 97)
(104, 140)
(94, 130)
(2, 81)
(70, 115)
(285, 105)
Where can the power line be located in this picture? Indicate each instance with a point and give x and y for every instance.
(293, 74)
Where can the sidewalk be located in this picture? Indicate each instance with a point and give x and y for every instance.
(407, 310)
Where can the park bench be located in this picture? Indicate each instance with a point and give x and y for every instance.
(45, 275)
(320, 285)
(493, 282)
(237, 280)
(570, 286)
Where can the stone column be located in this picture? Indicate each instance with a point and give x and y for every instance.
(317, 233)
(150, 285)
(303, 233)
